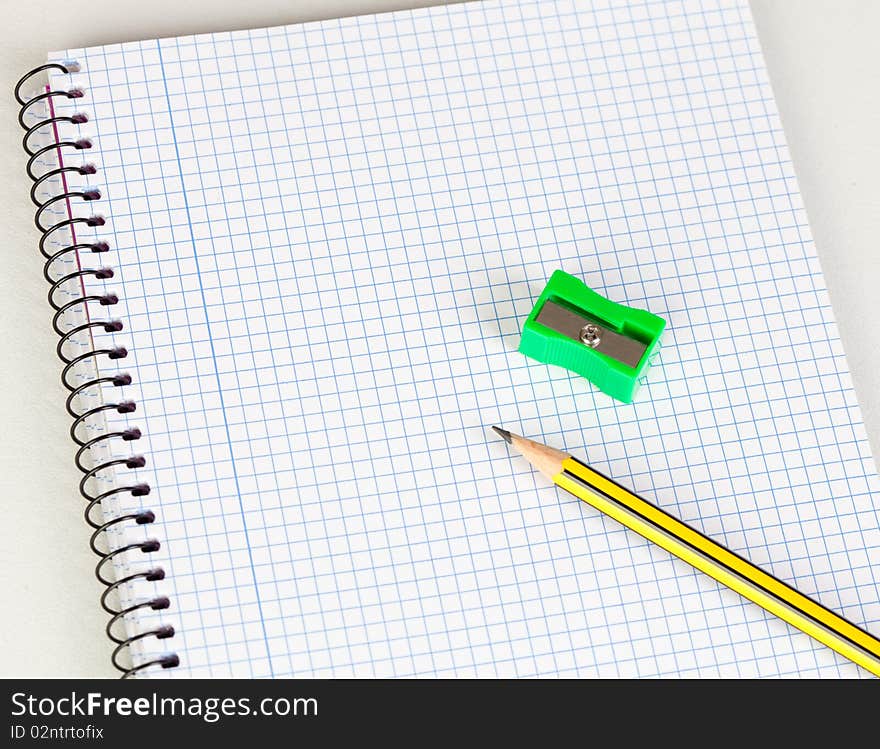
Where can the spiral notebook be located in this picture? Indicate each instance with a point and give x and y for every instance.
(289, 271)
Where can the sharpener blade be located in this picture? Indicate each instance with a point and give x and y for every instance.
(572, 325)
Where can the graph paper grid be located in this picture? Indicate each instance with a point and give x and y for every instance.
(326, 238)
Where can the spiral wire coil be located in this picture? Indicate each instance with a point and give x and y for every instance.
(73, 367)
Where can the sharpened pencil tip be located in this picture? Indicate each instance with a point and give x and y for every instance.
(503, 433)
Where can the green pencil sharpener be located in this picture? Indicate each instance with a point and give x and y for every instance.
(573, 327)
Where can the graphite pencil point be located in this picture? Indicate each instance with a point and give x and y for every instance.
(503, 433)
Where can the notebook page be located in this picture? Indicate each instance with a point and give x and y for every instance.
(326, 238)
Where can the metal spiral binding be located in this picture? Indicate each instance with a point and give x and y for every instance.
(97, 542)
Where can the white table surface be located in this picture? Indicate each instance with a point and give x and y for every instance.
(823, 62)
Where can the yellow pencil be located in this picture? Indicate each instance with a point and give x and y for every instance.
(706, 555)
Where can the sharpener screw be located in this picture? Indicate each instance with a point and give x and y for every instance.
(591, 335)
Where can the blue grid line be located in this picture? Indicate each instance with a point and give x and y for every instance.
(226, 426)
(355, 291)
(151, 330)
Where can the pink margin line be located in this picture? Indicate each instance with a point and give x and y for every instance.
(82, 282)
